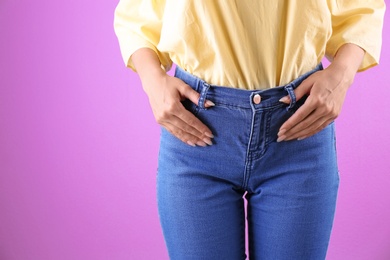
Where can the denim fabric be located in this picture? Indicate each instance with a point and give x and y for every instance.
(290, 187)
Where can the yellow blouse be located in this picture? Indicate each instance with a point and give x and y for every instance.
(248, 44)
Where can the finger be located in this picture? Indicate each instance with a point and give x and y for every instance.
(180, 134)
(183, 133)
(178, 114)
(303, 88)
(304, 126)
(188, 128)
(306, 109)
(313, 128)
(310, 123)
(208, 103)
(286, 100)
(192, 124)
(188, 92)
(313, 121)
(325, 124)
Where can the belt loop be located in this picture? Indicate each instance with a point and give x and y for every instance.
(289, 88)
(203, 93)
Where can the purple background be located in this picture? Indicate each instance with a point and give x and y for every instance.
(78, 144)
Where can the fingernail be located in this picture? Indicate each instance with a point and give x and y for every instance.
(281, 138)
(301, 138)
(209, 103)
(200, 143)
(281, 132)
(207, 141)
(191, 143)
(285, 100)
(208, 134)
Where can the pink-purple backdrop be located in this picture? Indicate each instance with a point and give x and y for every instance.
(78, 144)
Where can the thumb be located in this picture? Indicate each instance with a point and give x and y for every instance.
(194, 96)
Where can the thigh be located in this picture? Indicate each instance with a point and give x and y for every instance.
(201, 212)
(292, 203)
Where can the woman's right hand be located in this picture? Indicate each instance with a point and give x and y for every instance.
(165, 95)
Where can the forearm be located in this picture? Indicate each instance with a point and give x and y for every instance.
(147, 65)
(347, 61)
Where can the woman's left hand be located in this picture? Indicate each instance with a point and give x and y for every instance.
(326, 92)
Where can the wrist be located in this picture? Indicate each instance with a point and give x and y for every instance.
(148, 67)
(152, 80)
(342, 72)
(347, 62)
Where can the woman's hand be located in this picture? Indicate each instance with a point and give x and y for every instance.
(326, 92)
(165, 95)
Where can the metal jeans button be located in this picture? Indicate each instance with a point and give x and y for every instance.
(257, 99)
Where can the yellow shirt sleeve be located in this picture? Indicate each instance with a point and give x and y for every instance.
(138, 23)
(359, 22)
(248, 44)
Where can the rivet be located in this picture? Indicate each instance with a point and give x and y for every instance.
(257, 99)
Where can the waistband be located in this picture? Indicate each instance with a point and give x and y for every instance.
(239, 97)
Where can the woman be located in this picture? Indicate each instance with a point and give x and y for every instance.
(249, 114)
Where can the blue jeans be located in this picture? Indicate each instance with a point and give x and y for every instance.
(290, 187)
